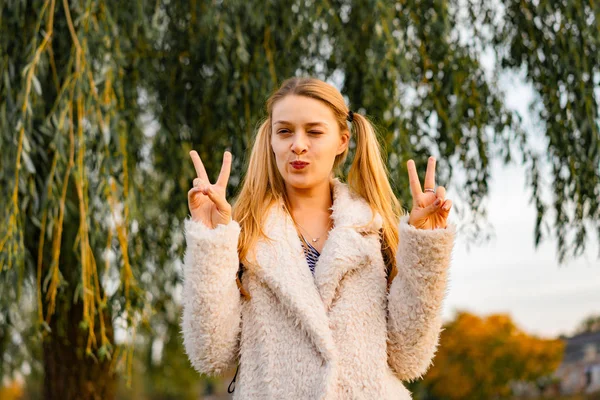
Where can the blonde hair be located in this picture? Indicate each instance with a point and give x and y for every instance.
(263, 186)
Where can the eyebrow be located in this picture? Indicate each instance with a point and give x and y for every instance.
(307, 124)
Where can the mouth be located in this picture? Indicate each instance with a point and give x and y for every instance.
(298, 164)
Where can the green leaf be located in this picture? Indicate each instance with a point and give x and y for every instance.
(36, 85)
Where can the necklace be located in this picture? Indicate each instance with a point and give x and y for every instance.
(314, 240)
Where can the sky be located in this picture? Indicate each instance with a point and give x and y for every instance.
(507, 274)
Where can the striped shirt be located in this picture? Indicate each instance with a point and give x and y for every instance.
(312, 254)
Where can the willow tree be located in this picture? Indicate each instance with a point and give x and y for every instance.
(101, 101)
(70, 148)
(557, 44)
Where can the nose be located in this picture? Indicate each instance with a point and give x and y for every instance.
(299, 144)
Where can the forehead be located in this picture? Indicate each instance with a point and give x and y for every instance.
(301, 110)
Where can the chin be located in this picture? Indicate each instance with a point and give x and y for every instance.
(298, 181)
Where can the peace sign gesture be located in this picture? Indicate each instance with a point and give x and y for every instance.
(207, 202)
(429, 209)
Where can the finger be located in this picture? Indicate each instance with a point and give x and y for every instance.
(413, 178)
(192, 193)
(202, 189)
(200, 171)
(430, 174)
(225, 170)
(447, 205)
(440, 193)
(197, 182)
(217, 198)
(434, 207)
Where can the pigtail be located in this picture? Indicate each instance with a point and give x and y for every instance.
(368, 176)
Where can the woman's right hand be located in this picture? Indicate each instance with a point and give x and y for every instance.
(207, 202)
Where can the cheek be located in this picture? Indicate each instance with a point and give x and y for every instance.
(326, 149)
(278, 151)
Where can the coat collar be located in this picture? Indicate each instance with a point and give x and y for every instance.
(283, 267)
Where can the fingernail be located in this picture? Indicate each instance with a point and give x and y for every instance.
(437, 202)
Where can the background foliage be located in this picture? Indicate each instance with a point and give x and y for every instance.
(101, 101)
(479, 358)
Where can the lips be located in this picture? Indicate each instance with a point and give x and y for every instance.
(298, 163)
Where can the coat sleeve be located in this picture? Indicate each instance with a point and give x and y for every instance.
(211, 320)
(415, 298)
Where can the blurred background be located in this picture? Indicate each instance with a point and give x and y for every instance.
(102, 100)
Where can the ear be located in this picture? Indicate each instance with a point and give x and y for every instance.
(344, 141)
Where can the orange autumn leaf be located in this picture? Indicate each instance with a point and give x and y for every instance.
(479, 357)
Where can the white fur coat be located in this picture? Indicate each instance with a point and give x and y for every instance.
(337, 335)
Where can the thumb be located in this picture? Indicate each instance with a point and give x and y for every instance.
(218, 199)
(434, 207)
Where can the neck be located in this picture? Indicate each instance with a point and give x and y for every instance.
(312, 200)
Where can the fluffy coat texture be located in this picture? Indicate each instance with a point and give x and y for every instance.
(337, 335)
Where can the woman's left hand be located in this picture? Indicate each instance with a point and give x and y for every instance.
(430, 209)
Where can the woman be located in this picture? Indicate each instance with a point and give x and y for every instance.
(341, 293)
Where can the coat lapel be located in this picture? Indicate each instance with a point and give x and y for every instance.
(349, 245)
(283, 267)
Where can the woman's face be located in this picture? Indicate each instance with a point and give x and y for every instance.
(304, 129)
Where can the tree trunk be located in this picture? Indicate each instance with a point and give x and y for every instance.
(69, 373)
